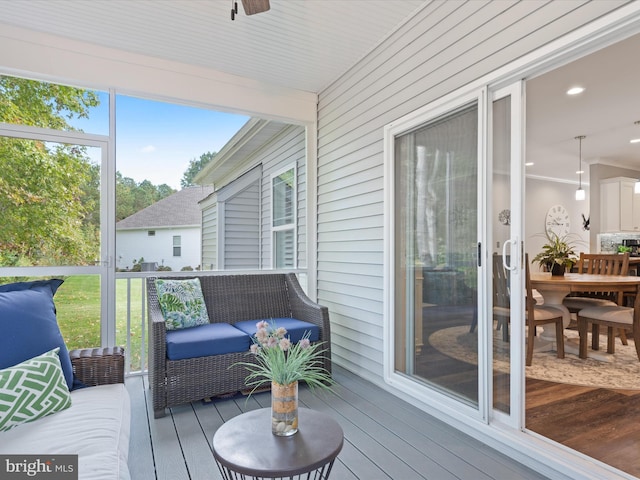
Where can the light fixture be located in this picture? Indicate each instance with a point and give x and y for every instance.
(575, 90)
(580, 194)
(251, 7)
(635, 140)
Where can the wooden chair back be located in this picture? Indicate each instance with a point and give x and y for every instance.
(530, 301)
(500, 283)
(604, 263)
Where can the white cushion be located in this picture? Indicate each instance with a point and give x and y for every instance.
(542, 312)
(609, 314)
(96, 428)
(578, 303)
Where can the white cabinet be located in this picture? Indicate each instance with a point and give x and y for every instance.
(619, 205)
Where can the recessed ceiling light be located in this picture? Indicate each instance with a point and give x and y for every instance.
(579, 171)
(575, 90)
(528, 164)
(634, 140)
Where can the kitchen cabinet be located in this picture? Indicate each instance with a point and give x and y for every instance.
(619, 205)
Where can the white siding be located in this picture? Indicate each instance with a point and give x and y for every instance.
(210, 237)
(242, 229)
(287, 149)
(444, 47)
(135, 244)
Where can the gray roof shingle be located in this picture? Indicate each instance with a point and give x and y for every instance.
(179, 209)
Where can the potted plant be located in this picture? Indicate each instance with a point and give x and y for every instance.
(557, 254)
(283, 364)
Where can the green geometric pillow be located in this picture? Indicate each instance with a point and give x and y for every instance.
(32, 389)
(182, 303)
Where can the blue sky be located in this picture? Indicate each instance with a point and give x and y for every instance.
(155, 141)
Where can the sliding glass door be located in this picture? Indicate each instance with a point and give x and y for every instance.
(505, 273)
(435, 211)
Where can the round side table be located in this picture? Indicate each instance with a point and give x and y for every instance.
(244, 447)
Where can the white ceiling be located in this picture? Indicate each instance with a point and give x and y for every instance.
(604, 113)
(308, 44)
(301, 44)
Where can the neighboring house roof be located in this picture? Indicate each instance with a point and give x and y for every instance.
(177, 210)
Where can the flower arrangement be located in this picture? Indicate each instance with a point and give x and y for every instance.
(282, 362)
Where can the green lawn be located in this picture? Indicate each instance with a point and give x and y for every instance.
(78, 311)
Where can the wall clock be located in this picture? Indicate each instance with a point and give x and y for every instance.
(557, 221)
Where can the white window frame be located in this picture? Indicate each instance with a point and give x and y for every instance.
(292, 226)
(179, 245)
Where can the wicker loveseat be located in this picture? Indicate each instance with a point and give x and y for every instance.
(230, 299)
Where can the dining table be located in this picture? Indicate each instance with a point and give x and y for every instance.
(554, 288)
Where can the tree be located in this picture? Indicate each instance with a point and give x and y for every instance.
(47, 190)
(131, 197)
(195, 167)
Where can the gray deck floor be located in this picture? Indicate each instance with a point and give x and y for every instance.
(384, 437)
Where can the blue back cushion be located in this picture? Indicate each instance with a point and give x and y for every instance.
(28, 324)
(206, 340)
(295, 328)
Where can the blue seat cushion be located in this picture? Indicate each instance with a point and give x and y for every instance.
(28, 324)
(295, 328)
(206, 340)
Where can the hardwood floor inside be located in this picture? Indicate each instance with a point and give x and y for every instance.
(601, 423)
(598, 422)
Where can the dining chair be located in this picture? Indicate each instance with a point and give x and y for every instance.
(501, 299)
(537, 315)
(599, 264)
(612, 317)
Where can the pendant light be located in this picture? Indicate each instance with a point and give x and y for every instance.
(580, 194)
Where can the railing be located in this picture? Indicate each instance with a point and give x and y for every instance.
(134, 336)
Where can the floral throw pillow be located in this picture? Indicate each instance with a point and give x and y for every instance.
(182, 303)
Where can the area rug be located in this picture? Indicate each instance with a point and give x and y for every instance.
(619, 371)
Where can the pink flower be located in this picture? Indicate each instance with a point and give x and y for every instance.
(255, 348)
(304, 343)
(285, 343)
(272, 342)
(262, 324)
(262, 336)
(281, 332)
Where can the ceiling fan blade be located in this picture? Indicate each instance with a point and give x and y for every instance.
(255, 6)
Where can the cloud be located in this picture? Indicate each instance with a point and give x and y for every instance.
(148, 149)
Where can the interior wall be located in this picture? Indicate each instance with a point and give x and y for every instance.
(540, 195)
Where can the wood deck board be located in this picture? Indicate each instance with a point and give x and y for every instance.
(463, 450)
(385, 437)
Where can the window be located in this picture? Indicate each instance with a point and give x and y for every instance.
(177, 248)
(151, 233)
(283, 218)
(435, 175)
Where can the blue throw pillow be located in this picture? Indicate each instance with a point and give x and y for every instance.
(29, 326)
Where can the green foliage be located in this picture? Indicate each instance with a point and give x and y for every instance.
(280, 361)
(195, 166)
(131, 197)
(40, 104)
(47, 190)
(559, 250)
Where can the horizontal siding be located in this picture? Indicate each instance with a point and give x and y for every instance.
(209, 237)
(289, 148)
(242, 229)
(445, 46)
